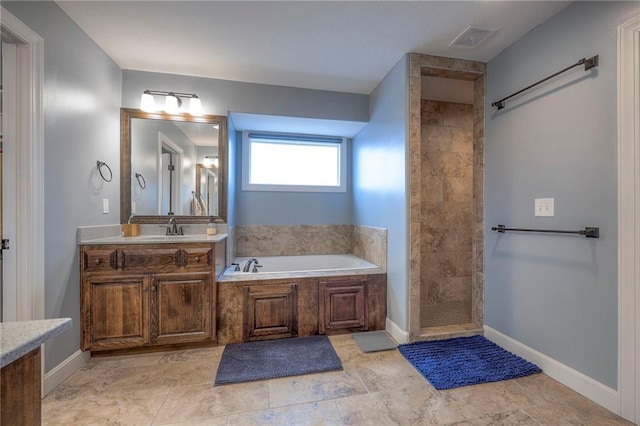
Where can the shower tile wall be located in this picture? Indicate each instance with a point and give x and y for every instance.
(447, 203)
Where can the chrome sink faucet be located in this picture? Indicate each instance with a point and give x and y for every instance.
(247, 265)
(172, 227)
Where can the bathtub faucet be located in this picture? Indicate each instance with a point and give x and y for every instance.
(247, 265)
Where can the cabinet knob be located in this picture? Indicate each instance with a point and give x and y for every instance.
(197, 259)
(97, 261)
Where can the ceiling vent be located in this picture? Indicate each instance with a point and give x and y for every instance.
(472, 36)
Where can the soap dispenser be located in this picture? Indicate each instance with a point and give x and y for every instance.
(212, 229)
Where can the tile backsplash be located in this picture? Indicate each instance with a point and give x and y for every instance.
(368, 243)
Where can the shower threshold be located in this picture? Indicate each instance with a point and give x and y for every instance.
(447, 320)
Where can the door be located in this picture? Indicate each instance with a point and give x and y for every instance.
(8, 132)
(117, 310)
(629, 218)
(22, 170)
(181, 308)
(170, 170)
(343, 305)
(270, 312)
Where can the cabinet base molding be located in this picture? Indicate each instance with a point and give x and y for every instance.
(151, 349)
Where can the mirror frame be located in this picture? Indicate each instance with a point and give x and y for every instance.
(126, 114)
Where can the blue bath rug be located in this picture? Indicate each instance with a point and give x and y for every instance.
(268, 359)
(464, 361)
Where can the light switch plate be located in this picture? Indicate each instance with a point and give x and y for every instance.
(105, 205)
(544, 207)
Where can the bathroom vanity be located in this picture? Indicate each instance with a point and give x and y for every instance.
(149, 291)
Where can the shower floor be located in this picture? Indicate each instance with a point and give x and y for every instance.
(441, 314)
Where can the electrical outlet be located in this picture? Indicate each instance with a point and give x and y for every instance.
(544, 207)
(133, 207)
(105, 205)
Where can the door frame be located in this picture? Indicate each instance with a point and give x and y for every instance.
(29, 244)
(176, 188)
(629, 219)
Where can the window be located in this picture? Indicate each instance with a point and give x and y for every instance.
(282, 162)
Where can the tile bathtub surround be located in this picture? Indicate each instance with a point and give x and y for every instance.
(368, 243)
(292, 240)
(379, 388)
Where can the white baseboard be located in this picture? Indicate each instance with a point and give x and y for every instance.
(396, 332)
(584, 385)
(63, 370)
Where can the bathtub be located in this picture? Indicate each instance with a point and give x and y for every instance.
(300, 266)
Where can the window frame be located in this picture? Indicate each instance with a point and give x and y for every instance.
(307, 139)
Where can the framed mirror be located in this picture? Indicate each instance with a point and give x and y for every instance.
(172, 166)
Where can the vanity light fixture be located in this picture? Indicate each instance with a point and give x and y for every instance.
(172, 102)
(210, 161)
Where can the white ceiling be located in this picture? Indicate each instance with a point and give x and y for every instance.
(345, 46)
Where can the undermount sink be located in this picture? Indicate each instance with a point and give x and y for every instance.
(170, 237)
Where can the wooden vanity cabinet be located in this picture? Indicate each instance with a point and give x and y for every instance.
(148, 295)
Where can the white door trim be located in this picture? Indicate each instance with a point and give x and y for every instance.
(29, 242)
(176, 189)
(629, 219)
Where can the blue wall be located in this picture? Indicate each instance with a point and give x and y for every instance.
(221, 97)
(380, 167)
(556, 294)
(81, 125)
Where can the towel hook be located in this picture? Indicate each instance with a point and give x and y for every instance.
(99, 165)
(141, 181)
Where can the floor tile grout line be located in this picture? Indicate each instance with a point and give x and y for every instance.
(166, 395)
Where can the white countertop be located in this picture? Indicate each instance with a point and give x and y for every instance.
(21, 337)
(155, 239)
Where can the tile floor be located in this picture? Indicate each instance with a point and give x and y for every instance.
(379, 388)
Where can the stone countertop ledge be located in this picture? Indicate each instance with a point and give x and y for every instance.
(155, 239)
(21, 337)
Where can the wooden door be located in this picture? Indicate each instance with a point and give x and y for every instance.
(181, 308)
(270, 311)
(343, 305)
(115, 312)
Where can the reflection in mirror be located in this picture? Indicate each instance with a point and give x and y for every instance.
(167, 153)
(207, 187)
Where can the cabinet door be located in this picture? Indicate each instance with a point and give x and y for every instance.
(343, 305)
(181, 308)
(270, 311)
(115, 312)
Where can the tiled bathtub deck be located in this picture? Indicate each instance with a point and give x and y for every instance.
(374, 389)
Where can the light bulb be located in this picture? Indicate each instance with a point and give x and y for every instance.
(147, 103)
(171, 104)
(195, 106)
(206, 162)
